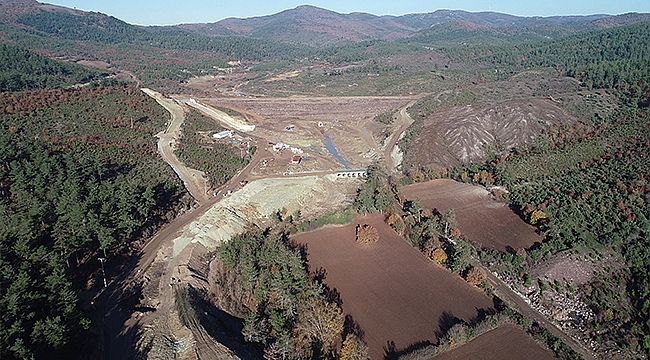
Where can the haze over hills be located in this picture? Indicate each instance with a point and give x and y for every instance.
(312, 25)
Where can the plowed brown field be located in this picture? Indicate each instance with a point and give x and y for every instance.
(503, 343)
(395, 294)
(480, 218)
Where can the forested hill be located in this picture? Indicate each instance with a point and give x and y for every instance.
(612, 58)
(79, 178)
(104, 29)
(21, 69)
(79, 174)
(314, 26)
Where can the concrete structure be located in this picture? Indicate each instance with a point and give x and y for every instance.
(353, 174)
(223, 134)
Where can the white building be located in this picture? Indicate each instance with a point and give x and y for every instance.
(224, 134)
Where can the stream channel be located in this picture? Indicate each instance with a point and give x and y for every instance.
(332, 150)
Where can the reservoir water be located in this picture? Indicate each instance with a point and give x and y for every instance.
(332, 150)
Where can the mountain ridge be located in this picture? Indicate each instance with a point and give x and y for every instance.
(307, 24)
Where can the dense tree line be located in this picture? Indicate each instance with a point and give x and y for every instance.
(22, 69)
(373, 195)
(264, 280)
(612, 58)
(103, 29)
(79, 179)
(452, 33)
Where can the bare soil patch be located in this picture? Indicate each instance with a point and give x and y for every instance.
(457, 135)
(502, 343)
(396, 295)
(480, 218)
(306, 122)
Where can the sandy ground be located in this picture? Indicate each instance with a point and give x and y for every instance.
(254, 203)
(183, 253)
(222, 117)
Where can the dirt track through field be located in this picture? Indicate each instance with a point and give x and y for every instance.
(396, 295)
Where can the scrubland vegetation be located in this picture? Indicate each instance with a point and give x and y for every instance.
(80, 177)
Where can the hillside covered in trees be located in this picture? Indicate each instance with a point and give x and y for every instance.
(21, 69)
(585, 186)
(79, 179)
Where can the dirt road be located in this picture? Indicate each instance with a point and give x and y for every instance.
(405, 121)
(194, 180)
(514, 300)
(221, 117)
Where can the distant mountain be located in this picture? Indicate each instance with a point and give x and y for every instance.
(308, 24)
(315, 26)
(11, 10)
(268, 36)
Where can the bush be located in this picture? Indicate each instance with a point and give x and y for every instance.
(475, 276)
(367, 234)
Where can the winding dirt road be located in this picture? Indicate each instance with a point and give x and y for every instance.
(120, 325)
(194, 180)
(405, 121)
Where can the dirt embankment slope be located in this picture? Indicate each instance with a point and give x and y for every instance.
(222, 117)
(457, 135)
(183, 257)
(392, 153)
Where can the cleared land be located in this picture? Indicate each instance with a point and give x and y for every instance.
(457, 135)
(193, 180)
(347, 121)
(503, 343)
(480, 218)
(396, 295)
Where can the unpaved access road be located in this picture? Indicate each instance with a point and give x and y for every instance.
(194, 180)
(405, 121)
(513, 299)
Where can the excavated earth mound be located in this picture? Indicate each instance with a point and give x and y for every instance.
(461, 134)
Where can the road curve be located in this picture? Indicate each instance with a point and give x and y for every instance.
(193, 180)
(406, 121)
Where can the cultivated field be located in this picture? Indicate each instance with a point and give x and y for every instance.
(480, 218)
(503, 343)
(396, 295)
